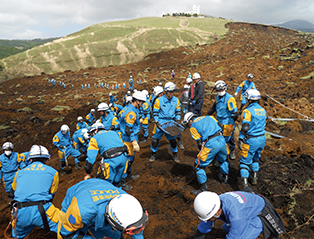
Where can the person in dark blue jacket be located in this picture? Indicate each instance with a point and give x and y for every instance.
(106, 211)
(245, 215)
(252, 138)
(34, 188)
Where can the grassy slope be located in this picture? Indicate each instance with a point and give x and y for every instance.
(114, 43)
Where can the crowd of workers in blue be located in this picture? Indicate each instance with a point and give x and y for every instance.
(101, 205)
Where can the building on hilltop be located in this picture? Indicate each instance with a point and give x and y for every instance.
(196, 9)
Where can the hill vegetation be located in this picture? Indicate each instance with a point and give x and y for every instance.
(299, 25)
(113, 43)
(11, 47)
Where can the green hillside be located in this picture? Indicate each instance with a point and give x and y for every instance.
(114, 43)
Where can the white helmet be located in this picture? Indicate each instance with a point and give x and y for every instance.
(86, 136)
(102, 107)
(125, 214)
(79, 118)
(189, 80)
(170, 86)
(64, 129)
(206, 205)
(129, 92)
(110, 94)
(139, 95)
(96, 126)
(128, 99)
(186, 87)
(145, 92)
(38, 151)
(92, 110)
(250, 76)
(196, 76)
(130, 76)
(187, 117)
(220, 85)
(135, 90)
(84, 130)
(160, 83)
(7, 146)
(252, 94)
(158, 90)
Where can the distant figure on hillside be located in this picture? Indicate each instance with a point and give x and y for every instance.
(245, 85)
(172, 74)
(131, 83)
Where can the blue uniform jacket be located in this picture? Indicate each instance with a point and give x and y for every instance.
(23, 157)
(255, 116)
(225, 107)
(36, 182)
(145, 112)
(112, 99)
(101, 142)
(245, 85)
(62, 140)
(203, 127)
(81, 125)
(90, 119)
(241, 210)
(78, 137)
(129, 116)
(84, 206)
(165, 110)
(110, 120)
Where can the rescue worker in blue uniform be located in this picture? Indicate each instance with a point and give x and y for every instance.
(131, 83)
(91, 118)
(245, 85)
(62, 140)
(130, 127)
(245, 215)
(105, 210)
(79, 141)
(81, 124)
(128, 93)
(115, 108)
(226, 113)
(112, 99)
(206, 131)
(113, 151)
(252, 137)
(107, 117)
(34, 188)
(166, 108)
(10, 163)
(145, 116)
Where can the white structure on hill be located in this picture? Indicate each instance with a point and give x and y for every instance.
(196, 9)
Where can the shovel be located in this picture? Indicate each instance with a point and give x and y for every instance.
(67, 168)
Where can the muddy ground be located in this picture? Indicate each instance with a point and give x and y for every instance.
(32, 111)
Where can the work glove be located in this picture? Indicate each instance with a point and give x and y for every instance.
(235, 94)
(111, 127)
(87, 176)
(62, 147)
(241, 141)
(141, 120)
(136, 147)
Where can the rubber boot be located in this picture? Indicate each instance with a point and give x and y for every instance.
(77, 166)
(175, 158)
(132, 177)
(202, 189)
(223, 178)
(145, 140)
(180, 144)
(232, 155)
(152, 157)
(125, 186)
(244, 182)
(254, 178)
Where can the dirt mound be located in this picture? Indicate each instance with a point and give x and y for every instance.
(281, 60)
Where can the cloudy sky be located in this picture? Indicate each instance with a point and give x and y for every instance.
(29, 19)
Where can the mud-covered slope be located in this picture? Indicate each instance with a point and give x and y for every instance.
(281, 60)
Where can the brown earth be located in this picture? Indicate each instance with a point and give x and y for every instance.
(281, 61)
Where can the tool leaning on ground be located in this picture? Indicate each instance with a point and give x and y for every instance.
(67, 167)
(171, 127)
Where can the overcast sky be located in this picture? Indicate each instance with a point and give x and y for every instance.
(29, 19)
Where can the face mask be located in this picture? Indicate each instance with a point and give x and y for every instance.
(222, 93)
(7, 152)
